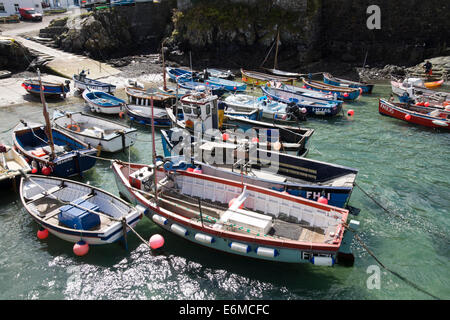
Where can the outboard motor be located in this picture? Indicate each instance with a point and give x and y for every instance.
(295, 111)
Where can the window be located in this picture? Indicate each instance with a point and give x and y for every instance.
(16, 7)
(2, 7)
(307, 255)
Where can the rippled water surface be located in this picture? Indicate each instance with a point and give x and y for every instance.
(405, 167)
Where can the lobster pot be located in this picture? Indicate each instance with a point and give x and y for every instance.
(181, 231)
(203, 238)
(240, 247)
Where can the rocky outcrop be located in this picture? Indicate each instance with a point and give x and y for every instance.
(13, 55)
(112, 32)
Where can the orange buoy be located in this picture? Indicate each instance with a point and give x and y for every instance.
(121, 114)
(81, 248)
(74, 127)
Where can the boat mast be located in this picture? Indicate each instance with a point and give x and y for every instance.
(164, 66)
(154, 153)
(46, 117)
(275, 63)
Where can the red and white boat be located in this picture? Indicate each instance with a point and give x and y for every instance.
(238, 218)
(425, 116)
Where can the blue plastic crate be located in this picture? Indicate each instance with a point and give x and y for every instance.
(77, 218)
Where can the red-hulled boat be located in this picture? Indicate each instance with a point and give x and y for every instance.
(425, 116)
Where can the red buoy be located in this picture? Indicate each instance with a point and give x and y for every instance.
(34, 170)
(46, 170)
(225, 136)
(322, 200)
(121, 114)
(190, 170)
(350, 113)
(42, 234)
(255, 140)
(426, 104)
(408, 117)
(156, 241)
(346, 94)
(81, 248)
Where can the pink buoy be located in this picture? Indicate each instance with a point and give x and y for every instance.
(42, 234)
(322, 200)
(255, 140)
(360, 91)
(408, 117)
(350, 113)
(198, 170)
(156, 241)
(234, 88)
(81, 248)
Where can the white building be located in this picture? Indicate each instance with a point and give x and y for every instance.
(10, 7)
(62, 3)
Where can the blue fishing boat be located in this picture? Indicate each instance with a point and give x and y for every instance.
(176, 74)
(102, 102)
(81, 82)
(296, 175)
(341, 92)
(143, 115)
(62, 155)
(329, 79)
(232, 86)
(202, 87)
(313, 106)
(49, 89)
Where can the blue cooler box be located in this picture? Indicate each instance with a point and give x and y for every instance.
(77, 218)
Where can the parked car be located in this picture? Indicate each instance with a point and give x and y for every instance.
(30, 14)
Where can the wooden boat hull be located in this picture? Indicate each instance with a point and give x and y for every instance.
(102, 102)
(80, 158)
(49, 89)
(138, 96)
(341, 93)
(313, 106)
(10, 164)
(136, 114)
(83, 83)
(329, 79)
(105, 235)
(259, 79)
(388, 109)
(258, 246)
(123, 137)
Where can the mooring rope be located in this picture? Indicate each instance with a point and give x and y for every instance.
(398, 215)
(404, 279)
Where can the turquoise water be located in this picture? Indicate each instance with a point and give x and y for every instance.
(405, 167)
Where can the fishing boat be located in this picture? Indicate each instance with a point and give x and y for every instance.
(411, 88)
(102, 102)
(303, 91)
(4, 74)
(314, 106)
(434, 118)
(81, 82)
(142, 97)
(230, 86)
(203, 114)
(341, 93)
(50, 89)
(176, 74)
(284, 73)
(271, 110)
(105, 135)
(259, 78)
(11, 162)
(61, 155)
(298, 176)
(143, 115)
(433, 84)
(220, 73)
(174, 91)
(236, 217)
(195, 86)
(74, 211)
(329, 79)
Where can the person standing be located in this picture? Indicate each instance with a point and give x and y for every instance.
(428, 68)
